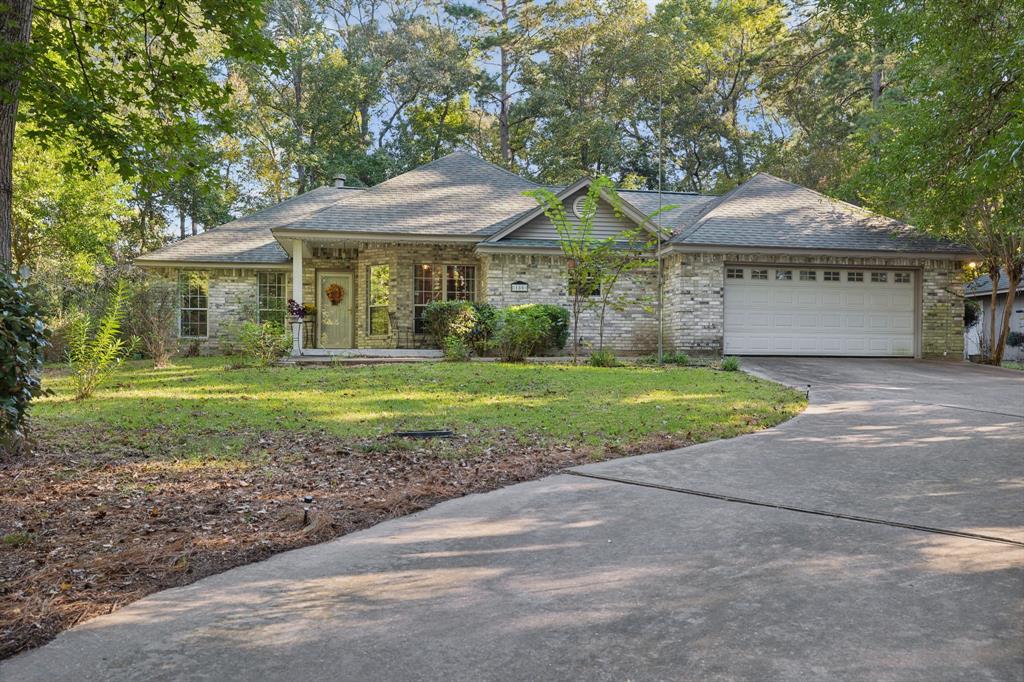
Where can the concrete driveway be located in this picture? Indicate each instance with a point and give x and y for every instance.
(878, 536)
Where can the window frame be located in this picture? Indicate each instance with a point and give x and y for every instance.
(902, 278)
(260, 307)
(371, 306)
(185, 280)
(855, 276)
(759, 274)
(787, 278)
(808, 276)
(832, 276)
(879, 277)
(733, 272)
(439, 289)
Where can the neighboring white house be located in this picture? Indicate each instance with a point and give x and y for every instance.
(980, 290)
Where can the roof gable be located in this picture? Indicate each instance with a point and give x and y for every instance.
(770, 212)
(457, 195)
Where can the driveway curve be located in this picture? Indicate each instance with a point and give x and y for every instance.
(880, 535)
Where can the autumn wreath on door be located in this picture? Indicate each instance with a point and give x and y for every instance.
(335, 293)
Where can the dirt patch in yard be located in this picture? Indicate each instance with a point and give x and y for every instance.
(95, 519)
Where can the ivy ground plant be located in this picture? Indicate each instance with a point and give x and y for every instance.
(23, 336)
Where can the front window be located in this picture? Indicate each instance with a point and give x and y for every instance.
(193, 296)
(270, 299)
(378, 295)
(441, 283)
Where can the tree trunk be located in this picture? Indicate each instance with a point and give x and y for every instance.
(1013, 275)
(15, 32)
(503, 104)
(993, 275)
(181, 222)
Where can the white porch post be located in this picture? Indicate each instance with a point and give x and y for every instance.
(297, 329)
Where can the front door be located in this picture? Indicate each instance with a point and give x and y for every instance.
(334, 310)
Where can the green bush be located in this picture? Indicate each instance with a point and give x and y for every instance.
(264, 343)
(558, 333)
(473, 323)
(522, 331)
(673, 358)
(455, 349)
(730, 363)
(23, 338)
(153, 319)
(96, 347)
(603, 358)
(1015, 339)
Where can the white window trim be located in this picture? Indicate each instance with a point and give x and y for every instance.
(443, 295)
(369, 293)
(181, 309)
(260, 308)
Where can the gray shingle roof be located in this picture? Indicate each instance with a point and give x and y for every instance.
(688, 206)
(769, 212)
(456, 195)
(248, 239)
(982, 286)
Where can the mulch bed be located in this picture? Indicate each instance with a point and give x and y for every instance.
(91, 521)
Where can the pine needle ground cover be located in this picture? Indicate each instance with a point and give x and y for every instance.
(167, 475)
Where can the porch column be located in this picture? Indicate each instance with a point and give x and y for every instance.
(297, 329)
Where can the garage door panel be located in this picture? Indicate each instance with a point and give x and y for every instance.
(861, 313)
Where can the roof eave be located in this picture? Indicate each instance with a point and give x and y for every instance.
(154, 263)
(865, 253)
(283, 233)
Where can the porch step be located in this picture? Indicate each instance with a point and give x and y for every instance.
(369, 356)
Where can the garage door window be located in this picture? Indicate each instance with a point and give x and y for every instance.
(783, 275)
(734, 273)
(855, 277)
(879, 277)
(758, 274)
(902, 278)
(808, 275)
(831, 276)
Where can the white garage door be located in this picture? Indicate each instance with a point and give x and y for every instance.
(820, 311)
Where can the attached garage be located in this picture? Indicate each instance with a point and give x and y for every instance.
(805, 310)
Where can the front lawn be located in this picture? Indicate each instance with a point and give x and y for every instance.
(168, 475)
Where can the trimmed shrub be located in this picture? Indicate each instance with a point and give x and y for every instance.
(522, 331)
(730, 363)
(473, 323)
(558, 333)
(23, 337)
(603, 358)
(264, 343)
(455, 349)
(96, 347)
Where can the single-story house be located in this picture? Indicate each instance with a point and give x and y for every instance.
(980, 290)
(770, 268)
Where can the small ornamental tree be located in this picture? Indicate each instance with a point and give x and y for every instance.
(595, 265)
(23, 336)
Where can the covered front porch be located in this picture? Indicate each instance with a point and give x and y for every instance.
(363, 298)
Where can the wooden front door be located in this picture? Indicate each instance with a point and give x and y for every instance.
(334, 309)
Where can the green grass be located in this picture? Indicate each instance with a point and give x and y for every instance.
(207, 409)
(1014, 365)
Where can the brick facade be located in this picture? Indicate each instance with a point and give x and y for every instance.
(694, 295)
(631, 329)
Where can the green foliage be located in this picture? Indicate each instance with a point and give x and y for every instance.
(64, 217)
(23, 336)
(264, 343)
(675, 358)
(471, 322)
(972, 313)
(522, 331)
(558, 329)
(603, 358)
(730, 363)
(1015, 339)
(96, 347)
(455, 349)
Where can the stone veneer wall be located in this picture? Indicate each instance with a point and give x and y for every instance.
(695, 288)
(231, 300)
(633, 330)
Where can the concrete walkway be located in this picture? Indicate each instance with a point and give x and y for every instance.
(894, 551)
